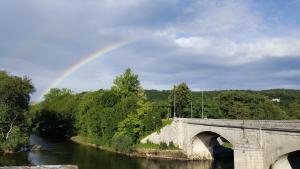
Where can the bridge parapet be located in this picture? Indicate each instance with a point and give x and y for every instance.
(280, 125)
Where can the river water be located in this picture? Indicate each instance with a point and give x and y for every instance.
(67, 152)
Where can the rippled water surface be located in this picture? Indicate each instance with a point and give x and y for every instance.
(89, 158)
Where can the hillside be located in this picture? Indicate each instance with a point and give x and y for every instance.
(286, 100)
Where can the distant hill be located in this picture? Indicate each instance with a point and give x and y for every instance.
(288, 100)
(285, 95)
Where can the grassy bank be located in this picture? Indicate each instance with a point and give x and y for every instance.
(148, 150)
(86, 142)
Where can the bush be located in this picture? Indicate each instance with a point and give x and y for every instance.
(15, 141)
(172, 145)
(122, 143)
(163, 145)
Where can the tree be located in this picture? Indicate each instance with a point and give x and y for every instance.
(57, 113)
(14, 102)
(248, 105)
(183, 96)
(55, 92)
(295, 109)
(126, 84)
(104, 117)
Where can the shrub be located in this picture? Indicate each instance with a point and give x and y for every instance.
(172, 145)
(122, 143)
(163, 145)
(15, 141)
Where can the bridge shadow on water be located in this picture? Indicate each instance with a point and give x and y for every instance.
(223, 156)
(294, 159)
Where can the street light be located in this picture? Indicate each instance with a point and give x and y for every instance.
(154, 121)
(174, 104)
(191, 108)
(202, 104)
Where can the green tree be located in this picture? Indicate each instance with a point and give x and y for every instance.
(14, 103)
(248, 105)
(122, 143)
(126, 84)
(57, 113)
(183, 96)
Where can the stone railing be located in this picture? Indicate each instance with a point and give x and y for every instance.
(282, 125)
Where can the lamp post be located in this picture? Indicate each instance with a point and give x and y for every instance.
(202, 104)
(154, 121)
(174, 104)
(192, 108)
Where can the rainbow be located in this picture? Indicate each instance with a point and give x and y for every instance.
(87, 59)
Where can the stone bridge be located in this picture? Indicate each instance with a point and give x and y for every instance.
(257, 144)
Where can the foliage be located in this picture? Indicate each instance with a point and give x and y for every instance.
(163, 145)
(55, 116)
(182, 96)
(227, 145)
(14, 102)
(160, 146)
(122, 143)
(126, 84)
(166, 122)
(147, 146)
(100, 116)
(287, 108)
(172, 145)
(244, 105)
(17, 139)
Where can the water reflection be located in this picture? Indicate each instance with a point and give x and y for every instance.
(165, 164)
(88, 158)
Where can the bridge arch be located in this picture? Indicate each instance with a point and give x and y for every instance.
(203, 144)
(289, 160)
(281, 148)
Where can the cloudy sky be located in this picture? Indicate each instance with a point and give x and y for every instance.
(210, 44)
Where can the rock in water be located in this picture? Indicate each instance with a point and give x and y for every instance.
(35, 147)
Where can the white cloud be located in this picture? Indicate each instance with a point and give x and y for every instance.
(242, 52)
(194, 42)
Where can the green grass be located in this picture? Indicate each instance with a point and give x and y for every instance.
(227, 145)
(166, 122)
(96, 141)
(147, 146)
(160, 146)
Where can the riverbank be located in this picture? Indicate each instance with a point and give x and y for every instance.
(137, 152)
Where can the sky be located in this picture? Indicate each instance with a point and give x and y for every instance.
(209, 44)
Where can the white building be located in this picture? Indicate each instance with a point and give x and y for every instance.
(275, 100)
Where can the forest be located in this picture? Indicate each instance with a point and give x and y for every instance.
(120, 116)
(274, 104)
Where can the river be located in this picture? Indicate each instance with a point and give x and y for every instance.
(67, 152)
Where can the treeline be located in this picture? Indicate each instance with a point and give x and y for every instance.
(235, 104)
(116, 118)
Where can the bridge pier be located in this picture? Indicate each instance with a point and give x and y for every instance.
(248, 158)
